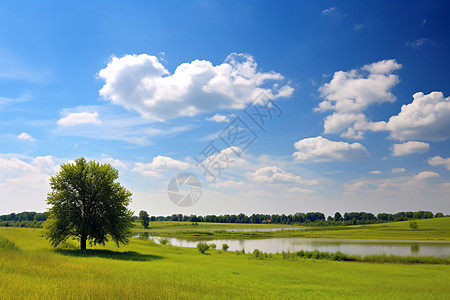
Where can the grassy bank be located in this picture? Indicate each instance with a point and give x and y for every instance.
(143, 270)
(429, 229)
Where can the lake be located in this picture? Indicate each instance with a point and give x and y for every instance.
(347, 246)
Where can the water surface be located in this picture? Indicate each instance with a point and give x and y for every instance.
(347, 246)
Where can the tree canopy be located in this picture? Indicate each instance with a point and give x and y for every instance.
(145, 219)
(87, 203)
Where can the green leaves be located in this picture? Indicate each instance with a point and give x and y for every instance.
(87, 203)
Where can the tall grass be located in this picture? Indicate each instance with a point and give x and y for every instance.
(38, 271)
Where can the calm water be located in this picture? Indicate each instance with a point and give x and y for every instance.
(347, 246)
(258, 229)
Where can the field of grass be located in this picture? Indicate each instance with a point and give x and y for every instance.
(428, 229)
(30, 268)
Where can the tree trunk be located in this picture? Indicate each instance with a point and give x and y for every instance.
(83, 242)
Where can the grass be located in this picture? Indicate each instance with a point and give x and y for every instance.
(144, 269)
(437, 229)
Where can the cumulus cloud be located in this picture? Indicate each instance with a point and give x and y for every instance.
(410, 148)
(319, 149)
(440, 161)
(425, 175)
(427, 117)
(218, 118)
(277, 175)
(405, 183)
(142, 83)
(117, 163)
(375, 172)
(349, 93)
(158, 165)
(398, 170)
(79, 119)
(26, 136)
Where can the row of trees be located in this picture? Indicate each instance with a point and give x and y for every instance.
(25, 216)
(311, 218)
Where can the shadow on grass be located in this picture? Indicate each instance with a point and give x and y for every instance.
(129, 255)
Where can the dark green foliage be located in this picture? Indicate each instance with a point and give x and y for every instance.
(88, 204)
(225, 247)
(213, 246)
(145, 219)
(202, 247)
(308, 219)
(413, 225)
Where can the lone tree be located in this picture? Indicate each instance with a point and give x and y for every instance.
(144, 217)
(87, 203)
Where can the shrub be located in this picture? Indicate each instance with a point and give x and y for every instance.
(257, 254)
(213, 246)
(164, 241)
(202, 247)
(225, 247)
(413, 225)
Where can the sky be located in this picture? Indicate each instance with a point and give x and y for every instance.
(269, 106)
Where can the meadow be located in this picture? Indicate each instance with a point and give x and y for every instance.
(31, 268)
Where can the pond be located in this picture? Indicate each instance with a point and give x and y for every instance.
(347, 246)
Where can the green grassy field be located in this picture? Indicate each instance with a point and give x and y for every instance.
(145, 270)
(428, 229)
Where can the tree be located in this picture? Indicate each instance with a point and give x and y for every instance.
(87, 203)
(144, 217)
(202, 247)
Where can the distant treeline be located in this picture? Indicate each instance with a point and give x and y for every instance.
(35, 220)
(24, 219)
(311, 218)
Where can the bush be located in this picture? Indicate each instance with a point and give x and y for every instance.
(213, 246)
(225, 247)
(202, 247)
(413, 225)
(257, 254)
(164, 241)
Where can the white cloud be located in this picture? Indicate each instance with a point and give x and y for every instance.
(228, 184)
(405, 183)
(22, 98)
(409, 148)
(427, 117)
(349, 93)
(352, 91)
(158, 165)
(26, 136)
(440, 161)
(79, 118)
(319, 149)
(113, 162)
(142, 83)
(425, 175)
(398, 170)
(298, 190)
(218, 118)
(375, 172)
(358, 27)
(332, 11)
(277, 175)
(418, 43)
(24, 181)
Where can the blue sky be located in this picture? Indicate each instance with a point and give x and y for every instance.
(358, 92)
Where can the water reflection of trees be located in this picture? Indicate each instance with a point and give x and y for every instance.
(415, 249)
